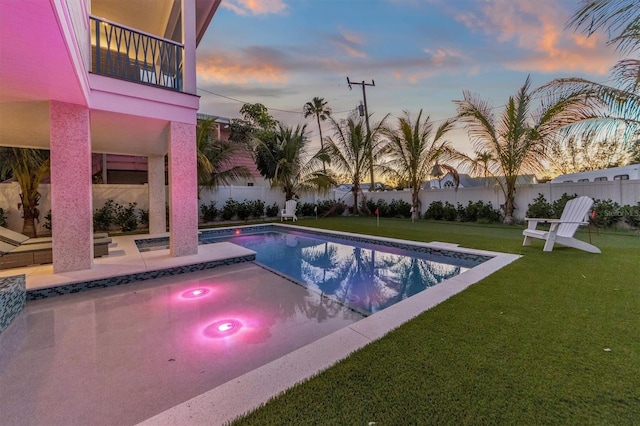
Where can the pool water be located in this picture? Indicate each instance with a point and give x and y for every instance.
(363, 276)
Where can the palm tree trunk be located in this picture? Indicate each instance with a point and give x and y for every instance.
(324, 169)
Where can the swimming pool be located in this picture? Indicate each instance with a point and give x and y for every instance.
(360, 273)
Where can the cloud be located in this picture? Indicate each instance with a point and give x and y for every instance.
(537, 30)
(254, 64)
(255, 7)
(349, 42)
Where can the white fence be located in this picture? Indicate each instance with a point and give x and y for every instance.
(620, 191)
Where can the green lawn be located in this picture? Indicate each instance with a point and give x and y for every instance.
(553, 338)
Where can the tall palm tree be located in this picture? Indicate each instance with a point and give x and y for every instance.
(620, 104)
(518, 138)
(29, 167)
(318, 108)
(293, 168)
(414, 148)
(349, 150)
(481, 164)
(215, 158)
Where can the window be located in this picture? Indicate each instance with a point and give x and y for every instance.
(621, 177)
(249, 183)
(583, 180)
(600, 179)
(449, 184)
(567, 181)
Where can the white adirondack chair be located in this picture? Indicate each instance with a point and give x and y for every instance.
(289, 211)
(561, 231)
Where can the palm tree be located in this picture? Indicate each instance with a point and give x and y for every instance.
(318, 108)
(518, 139)
(289, 164)
(215, 158)
(29, 167)
(620, 105)
(481, 164)
(350, 152)
(414, 149)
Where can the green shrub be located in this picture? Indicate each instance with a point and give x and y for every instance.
(273, 210)
(435, 211)
(540, 208)
(257, 208)
(104, 217)
(399, 208)
(558, 205)
(384, 209)
(607, 213)
(631, 215)
(143, 216)
(307, 209)
(209, 212)
(126, 218)
(450, 212)
(47, 221)
(330, 208)
(229, 210)
(243, 210)
(3, 217)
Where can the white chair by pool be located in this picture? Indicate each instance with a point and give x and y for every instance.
(562, 230)
(289, 211)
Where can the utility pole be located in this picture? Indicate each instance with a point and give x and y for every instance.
(366, 115)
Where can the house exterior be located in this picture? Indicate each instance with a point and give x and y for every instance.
(466, 181)
(97, 76)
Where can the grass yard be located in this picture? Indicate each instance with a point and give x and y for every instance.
(553, 338)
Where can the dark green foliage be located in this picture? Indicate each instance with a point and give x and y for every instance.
(47, 221)
(399, 208)
(125, 217)
(330, 208)
(229, 210)
(381, 205)
(257, 208)
(273, 210)
(435, 211)
(607, 213)
(478, 212)
(306, 209)
(450, 212)
(3, 217)
(540, 208)
(558, 205)
(209, 212)
(631, 215)
(104, 217)
(143, 216)
(243, 210)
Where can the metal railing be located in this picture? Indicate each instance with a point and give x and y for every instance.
(127, 54)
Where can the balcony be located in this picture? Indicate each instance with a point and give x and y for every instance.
(124, 53)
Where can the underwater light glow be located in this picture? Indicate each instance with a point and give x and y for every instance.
(222, 328)
(195, 293)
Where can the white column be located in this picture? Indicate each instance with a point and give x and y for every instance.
(183, 190)
(157, 195)
(189, 40)
(71, 198)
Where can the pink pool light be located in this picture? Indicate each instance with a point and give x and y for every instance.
(222, 328)
(195, 293)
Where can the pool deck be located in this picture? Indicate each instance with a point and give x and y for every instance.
(238, 396)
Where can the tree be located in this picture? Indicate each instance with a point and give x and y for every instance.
(519, 138)
(349, 150)
(584, 153)
(619, 115)
(414, 148)
(256, 122)
(29, 167)
(215, 158)
(318, 108)
(284, 160)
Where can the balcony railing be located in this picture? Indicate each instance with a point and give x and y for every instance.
(127, 54)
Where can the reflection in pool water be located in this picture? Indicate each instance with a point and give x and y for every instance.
(365, 277)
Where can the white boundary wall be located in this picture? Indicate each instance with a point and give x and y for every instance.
(620, 191)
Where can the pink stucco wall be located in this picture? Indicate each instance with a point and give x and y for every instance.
(183, 190)
(71, 200)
